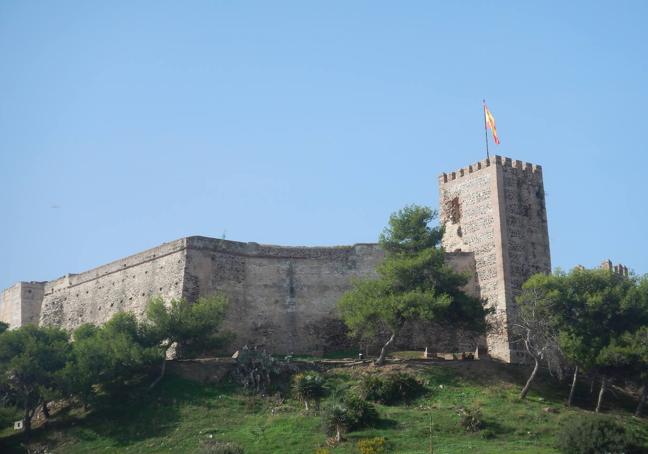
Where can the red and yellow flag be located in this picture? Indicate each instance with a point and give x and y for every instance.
(490, 121)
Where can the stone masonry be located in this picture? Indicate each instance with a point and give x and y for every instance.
(284, 298)
(496, 210)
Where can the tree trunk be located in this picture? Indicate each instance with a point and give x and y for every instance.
(161, 376)
(338, 433)
(642, 401)
(525, 390)
(46, 413)
(601, 392)
(381, 359)
(573, 388)
(27, 420)
(306, 404)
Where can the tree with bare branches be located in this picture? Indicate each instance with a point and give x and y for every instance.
(536, 329)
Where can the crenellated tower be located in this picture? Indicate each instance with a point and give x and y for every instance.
(495, 209)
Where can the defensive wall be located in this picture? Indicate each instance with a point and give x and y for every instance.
(281, 298)
(284, 298)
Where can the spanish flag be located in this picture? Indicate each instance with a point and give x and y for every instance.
(490, 121)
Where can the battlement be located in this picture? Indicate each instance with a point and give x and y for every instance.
(619, 269)
(496, 161)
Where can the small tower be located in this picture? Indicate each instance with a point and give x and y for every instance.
(496, 210)
(20, 304)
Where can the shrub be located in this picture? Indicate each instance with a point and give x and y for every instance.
(337, 421)
(471, 419)
(308, 386)
(360, 412)
(371, 445)
(351, 413)
(487, 434)
(256, 370)
(8, 415)
(390, 389)
(372, 387)
(220, 447)
(590, 435)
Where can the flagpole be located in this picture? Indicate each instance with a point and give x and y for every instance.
(485, 129)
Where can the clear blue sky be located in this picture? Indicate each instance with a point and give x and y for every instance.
(127, 124)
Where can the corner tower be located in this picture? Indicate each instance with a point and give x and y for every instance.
(496, 210)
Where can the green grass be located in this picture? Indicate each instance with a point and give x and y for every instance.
(178, 415)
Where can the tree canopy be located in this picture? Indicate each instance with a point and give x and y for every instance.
(414, 283)
(38, 364)
(190, 327)
(109, 358)
(594, 315)
(30, 360)
(195, 325)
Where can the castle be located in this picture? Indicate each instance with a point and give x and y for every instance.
(284, 298)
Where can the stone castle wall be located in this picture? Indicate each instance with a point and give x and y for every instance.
(124, 285)
(281, 298)
(284, 298)
(495, 209)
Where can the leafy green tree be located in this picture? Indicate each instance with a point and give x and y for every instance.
(590, 310)
(598, 306)
(30, 359)
(627, 356)
(414, 283)
(86, 365)
(3, 327)
(110, 358)
(193, 327)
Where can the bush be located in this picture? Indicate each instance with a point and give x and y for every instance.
(256, 370)
(337, 421)
(487, 434)
(360, 413)
(220, 447)
(371, 445)
(390, 389)
(590, 435)
(350, 413)
(308, 386)
(8, 415)
(471, 419)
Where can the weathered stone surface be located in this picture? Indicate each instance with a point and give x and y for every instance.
(496, 210)
(284, 299)
(20, 304)
(124, 285)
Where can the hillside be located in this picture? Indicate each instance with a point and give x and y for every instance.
(179, 415)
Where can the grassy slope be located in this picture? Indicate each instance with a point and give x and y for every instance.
(179, 414)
